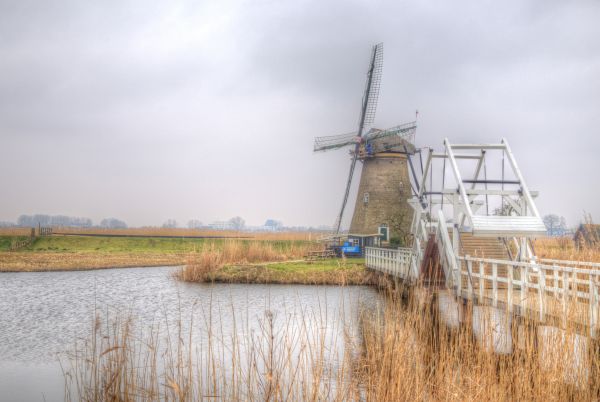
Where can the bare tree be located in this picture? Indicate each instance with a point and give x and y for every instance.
(170, 224)
(237, 222)
(556, 225)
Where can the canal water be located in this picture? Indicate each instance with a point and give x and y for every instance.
(44, 314)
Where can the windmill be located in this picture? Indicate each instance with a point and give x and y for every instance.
(384, 185)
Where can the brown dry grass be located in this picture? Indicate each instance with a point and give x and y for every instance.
(228, 251)
(409, 354)
(563, 248)
(15, 231)
(58, 261)
(405, 354)
(208, 262)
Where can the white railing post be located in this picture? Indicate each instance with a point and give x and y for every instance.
(469, 279)
(481, 281)
(593, 306)
(495, 284)
(542, 293)
(565, 293)
(458, 274)
(523, 273)
(509, 291)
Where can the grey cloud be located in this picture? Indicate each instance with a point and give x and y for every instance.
(148, 110)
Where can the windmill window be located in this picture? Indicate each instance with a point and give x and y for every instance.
(366, 198)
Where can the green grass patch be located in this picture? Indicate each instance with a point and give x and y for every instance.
(6, 241)
(131, 244)
(333, 271)
(326, 265)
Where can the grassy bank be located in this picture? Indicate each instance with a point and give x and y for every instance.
(83, 252)
(334, 271)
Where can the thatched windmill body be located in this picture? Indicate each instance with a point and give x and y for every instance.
(384, 187)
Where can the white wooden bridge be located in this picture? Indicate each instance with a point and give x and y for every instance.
(476, 235)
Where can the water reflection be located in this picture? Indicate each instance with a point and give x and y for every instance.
(43, 313)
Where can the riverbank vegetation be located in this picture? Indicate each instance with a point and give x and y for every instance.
(172, 232)
(332, 271)
(401, 352)
(83, 252)
(564, 248)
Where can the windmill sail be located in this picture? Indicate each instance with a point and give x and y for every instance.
(367, 115)
(335, 141)
(373, 85)
(399, 138)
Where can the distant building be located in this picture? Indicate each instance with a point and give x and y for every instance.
(221, 225)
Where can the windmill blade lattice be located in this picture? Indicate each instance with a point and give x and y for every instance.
(407, 131)
(335, 141)
(373, 84)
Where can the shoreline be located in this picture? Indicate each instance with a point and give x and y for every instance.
(328, 272)
(85, 261)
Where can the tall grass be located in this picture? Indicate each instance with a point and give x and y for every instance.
(410, 354)
(273, 359)
(211, 257)
(403, 353)
(564, 248)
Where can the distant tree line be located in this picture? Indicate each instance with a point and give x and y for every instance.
(63, 220)
(53, 220)
(235, 223)
(113, 223)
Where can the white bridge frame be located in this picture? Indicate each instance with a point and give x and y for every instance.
(540, 288)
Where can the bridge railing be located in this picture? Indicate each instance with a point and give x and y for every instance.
(395, 262)
(539, 289)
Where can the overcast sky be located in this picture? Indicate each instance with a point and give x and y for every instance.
(147, 110)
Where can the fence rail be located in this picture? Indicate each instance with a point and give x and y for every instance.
(395, 262)
(550, 288)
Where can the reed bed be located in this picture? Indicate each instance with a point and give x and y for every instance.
(564, 248)
(403, 352)
(80, 261)
(411, 354)
(271, 358)
(207, 261)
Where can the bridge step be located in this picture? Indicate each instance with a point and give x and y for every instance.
(485, 247)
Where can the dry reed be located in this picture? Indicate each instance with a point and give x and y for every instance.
(564, 248)
(202, 264)
(406, 353)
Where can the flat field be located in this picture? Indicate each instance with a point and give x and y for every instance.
(90, 252)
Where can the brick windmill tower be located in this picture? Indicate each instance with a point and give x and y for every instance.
(381, 205)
